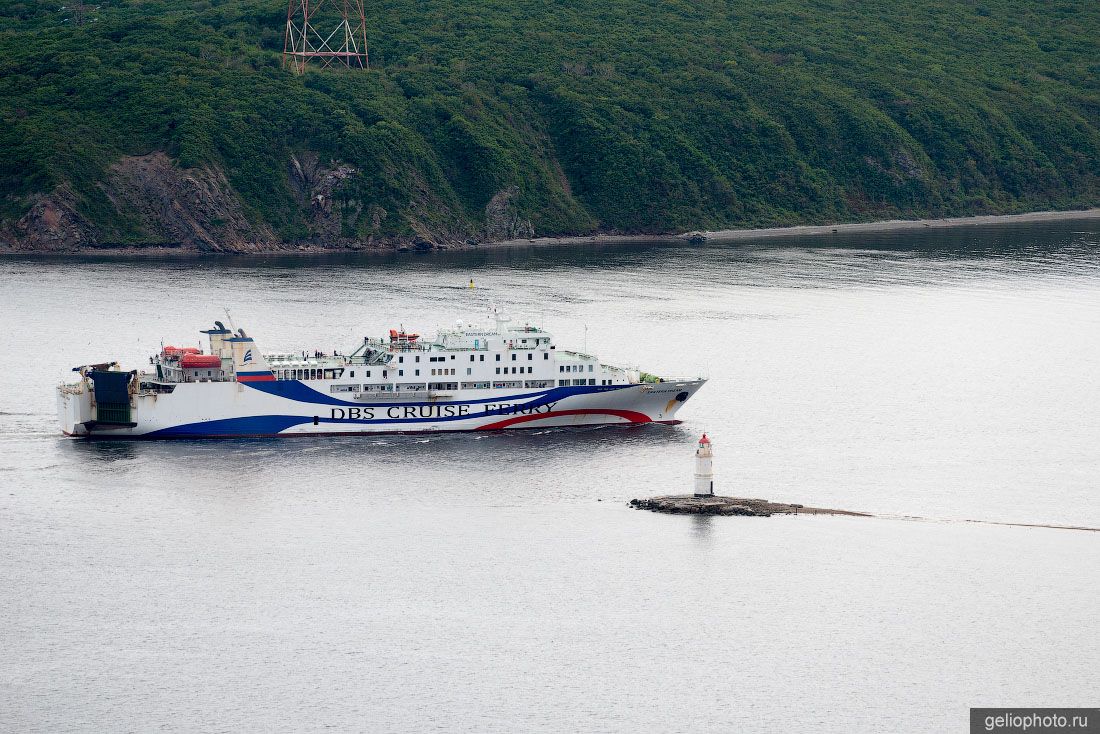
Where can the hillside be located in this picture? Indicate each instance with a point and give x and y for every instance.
(158, 122)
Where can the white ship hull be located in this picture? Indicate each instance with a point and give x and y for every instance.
(308, 408)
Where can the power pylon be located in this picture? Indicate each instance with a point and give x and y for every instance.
(308, 36)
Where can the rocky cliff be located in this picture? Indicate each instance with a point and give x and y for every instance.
(165, 206)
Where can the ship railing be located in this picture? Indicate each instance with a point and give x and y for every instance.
(394, 395)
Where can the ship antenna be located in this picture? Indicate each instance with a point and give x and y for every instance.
(229, 316)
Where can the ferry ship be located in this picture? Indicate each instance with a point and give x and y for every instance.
(468, 378)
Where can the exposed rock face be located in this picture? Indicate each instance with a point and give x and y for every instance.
(502, 219)
(160, 205)
(316, 187)
(195, 208)
(52, 224)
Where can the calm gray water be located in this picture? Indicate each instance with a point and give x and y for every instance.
(499, 583)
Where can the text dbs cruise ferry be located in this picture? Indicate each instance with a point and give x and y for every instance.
(468, 379)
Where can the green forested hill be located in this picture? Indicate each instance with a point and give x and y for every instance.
(628, 115)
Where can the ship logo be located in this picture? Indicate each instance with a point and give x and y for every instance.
(248, 356)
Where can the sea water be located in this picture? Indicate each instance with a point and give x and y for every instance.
(500, 582)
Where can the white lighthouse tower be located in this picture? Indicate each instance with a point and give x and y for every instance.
(704, 471)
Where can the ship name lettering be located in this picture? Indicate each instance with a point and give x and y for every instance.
(521, 409)
(352, 414)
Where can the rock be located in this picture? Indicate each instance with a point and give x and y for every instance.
(53, 223)
(691, 505)
(317, 186)
(502, 219)
(194, 208)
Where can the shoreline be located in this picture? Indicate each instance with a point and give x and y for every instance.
(698, 237)
(817, 230)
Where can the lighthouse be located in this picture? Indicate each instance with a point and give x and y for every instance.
(704, 472)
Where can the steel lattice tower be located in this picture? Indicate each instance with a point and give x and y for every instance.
(344, 44)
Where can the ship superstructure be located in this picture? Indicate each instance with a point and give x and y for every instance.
(469, 377)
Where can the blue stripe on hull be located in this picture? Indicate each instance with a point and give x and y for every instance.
(274, 424)
(259, 425)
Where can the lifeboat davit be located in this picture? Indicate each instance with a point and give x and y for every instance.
(201, 360)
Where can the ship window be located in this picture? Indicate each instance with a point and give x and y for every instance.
(481, 358)
(562, 383)
(513, 356)
(591, 381)
(498, 370)
(589, 368)
(400, 373)
(418, 372)
(469, 371)
(400, 359)
(530, 357)
(418, 358)
(452, 356)
(368, 373)
(471, 358)
(546, 355)
(498, 357)
(353, 373)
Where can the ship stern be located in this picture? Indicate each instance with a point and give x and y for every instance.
(74, 408)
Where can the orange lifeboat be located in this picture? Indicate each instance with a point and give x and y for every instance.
(206, 361)
(177, 351)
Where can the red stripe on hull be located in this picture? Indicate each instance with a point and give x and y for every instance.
(255, 378)
(631, 416)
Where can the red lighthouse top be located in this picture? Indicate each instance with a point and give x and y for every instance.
(704, 440)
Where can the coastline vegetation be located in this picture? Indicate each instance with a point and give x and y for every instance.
(613, 116)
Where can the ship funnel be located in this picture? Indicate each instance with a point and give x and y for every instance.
(218, 346)
(248, 363)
